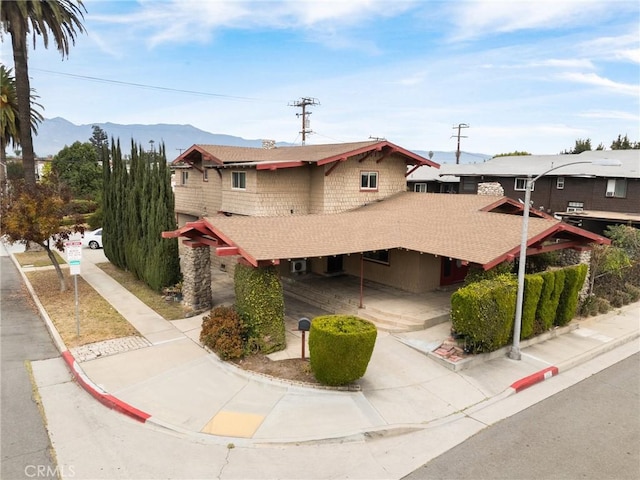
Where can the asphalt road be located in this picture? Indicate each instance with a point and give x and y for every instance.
(24, 443)
(588, 431)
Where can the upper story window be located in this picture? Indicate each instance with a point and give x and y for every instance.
(205, 175)
(521, 185)
(575, 206)
(239, 180)
(368, 180)
(420, 187)
(617, 187)
(381, 256)
(184, 177)
(560, 183)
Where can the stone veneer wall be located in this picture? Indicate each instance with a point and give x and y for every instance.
(570, 257)
(195, 264)
(490, 188)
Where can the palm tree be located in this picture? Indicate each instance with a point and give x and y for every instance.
(9, 118)
(60, 19)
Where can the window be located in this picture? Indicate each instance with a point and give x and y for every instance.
(205, 175)
(521, 185)
(575, 206)
(381, 256)
(184, 177)
(560, 183)
(368, 180)
(239, 180)
(617, 187)
(420, 187)
(468, 184)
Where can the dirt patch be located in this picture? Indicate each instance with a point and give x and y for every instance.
(295, 369)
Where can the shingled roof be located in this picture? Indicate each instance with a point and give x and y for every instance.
(466, 227)
(221, 155)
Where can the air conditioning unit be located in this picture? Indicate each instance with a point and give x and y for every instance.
(298, 266)
(609, 194)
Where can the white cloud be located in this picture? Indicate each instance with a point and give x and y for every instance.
(598, 81)
(479, 18)
(611, 114)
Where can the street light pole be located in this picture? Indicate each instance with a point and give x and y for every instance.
(514, 352)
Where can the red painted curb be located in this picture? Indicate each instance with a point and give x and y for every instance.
(103, 397)
(537, 377)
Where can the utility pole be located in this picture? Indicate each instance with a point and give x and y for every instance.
(460, 126)
(303, 103)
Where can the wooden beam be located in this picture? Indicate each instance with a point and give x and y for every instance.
(328, 172)
(227, 251)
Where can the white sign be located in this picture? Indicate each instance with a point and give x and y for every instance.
(74, 255)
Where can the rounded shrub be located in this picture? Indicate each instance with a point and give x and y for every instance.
(340, 347)
(224, 332)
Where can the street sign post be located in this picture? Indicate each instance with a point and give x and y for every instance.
(74, 255)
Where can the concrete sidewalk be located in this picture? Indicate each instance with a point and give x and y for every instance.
(168, 379)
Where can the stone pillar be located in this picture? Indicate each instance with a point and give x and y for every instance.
(195, 264)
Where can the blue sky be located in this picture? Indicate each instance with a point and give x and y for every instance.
(523, 75)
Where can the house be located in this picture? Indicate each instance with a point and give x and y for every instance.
(430, 180)
(300, 180)
(344, 210)
(587, 195)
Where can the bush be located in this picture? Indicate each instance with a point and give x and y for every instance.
(340, 347)
(633, 292)
(589, 307)
(548, 303)
(224, 332)
(483, 312)
(260, 302)
(478, 274)
(568, 303)
(532, 290)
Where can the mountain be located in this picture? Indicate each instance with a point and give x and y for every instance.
(56, 133)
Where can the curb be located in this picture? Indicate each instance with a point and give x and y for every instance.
(83, 380)
(534, 378)
(99, 394)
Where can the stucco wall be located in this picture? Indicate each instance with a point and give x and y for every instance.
(407, 270)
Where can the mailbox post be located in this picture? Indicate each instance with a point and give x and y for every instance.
(304, 325)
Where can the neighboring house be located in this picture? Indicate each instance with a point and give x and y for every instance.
(429, 180)
(344, 209)
(587, 195)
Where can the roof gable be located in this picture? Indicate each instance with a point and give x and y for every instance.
(286, 157)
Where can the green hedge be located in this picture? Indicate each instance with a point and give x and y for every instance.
(260, 302)
(568, 302)
(483, 312)
(340, 347)
(548, 303)
(532, 290)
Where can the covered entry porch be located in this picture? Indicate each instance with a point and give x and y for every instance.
(391, 309)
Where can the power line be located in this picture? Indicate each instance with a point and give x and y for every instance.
(152, 87)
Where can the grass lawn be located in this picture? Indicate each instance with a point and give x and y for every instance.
(38, 259)
(98, 319)
(154, 300)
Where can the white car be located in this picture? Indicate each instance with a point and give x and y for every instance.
(92, 239)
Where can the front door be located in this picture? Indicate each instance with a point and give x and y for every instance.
(452, 271)
(334, 264)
